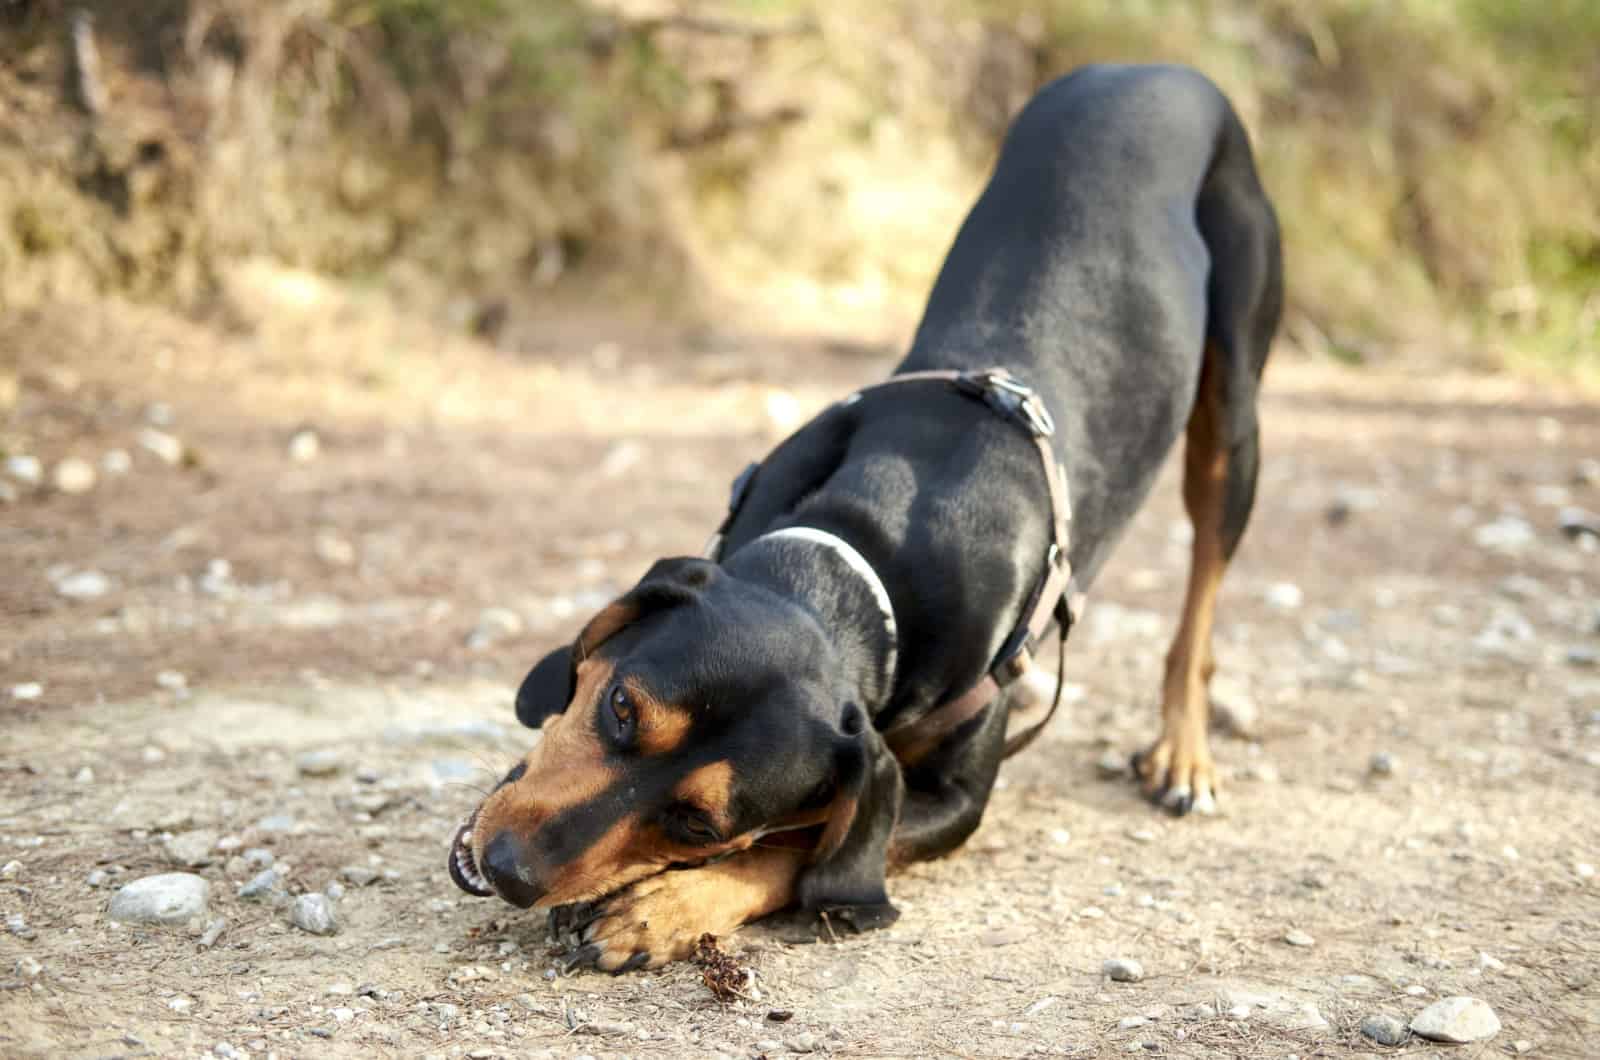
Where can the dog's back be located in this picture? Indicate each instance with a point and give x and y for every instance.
(1123, 227)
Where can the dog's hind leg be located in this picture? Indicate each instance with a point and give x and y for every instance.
(1221, 457)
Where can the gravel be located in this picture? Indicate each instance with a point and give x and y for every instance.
(360, 875)
(168, 898)
(1456, 1019)
(314, 913)
(1385, 1029)
(1123, 969)
(1296, 937)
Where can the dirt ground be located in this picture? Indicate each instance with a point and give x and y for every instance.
(1403, 592)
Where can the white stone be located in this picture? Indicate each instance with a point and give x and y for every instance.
(116, 462)
(74, 475)
(314, 913)
(27, 690)
(1456, 1019)
(84, 585)
(168, 898)
(165, 447)
(1123, 969)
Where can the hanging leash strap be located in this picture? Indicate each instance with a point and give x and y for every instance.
(1055, 597)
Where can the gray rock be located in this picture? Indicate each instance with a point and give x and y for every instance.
(96, 878)
(1456, 1019)
(1382, 764)
(360, 875)
(10, 869)
(262, 885)
(1123, 969)
(1385, 1029)
(116, 462)
(192, 849)
(1509, 533)
(84, 585)
(1113, 763)
(803, 1043)
(168, 898)
(258, 858)
(17, 924)
(74, 475)
(318, 763)
(212, 933)
(334, 890)
(1576, 523)
(278, 822)
(314, 913)
(29, 968)
(1583, 657)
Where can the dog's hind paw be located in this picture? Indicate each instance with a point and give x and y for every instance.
(1181, 779)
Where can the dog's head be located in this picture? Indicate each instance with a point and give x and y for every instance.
(693, 715)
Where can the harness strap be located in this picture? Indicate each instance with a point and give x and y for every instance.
(1054, 598)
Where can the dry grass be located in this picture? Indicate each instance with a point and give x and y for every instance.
(804, 161)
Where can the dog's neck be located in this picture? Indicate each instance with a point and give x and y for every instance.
(827, 575)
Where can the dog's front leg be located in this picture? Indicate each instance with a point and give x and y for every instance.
(947, 792)
(660, 918)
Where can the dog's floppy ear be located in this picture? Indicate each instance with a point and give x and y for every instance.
(846, 875)
(549, 686)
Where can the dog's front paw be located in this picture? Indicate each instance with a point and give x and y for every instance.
(651, 923)
(1177, 772)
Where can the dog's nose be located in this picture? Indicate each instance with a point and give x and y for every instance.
(503, 860)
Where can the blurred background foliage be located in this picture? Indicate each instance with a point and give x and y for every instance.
(786, 163)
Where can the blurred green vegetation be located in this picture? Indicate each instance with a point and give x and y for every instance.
(1436, 163)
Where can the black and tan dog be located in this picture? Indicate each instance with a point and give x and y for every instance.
(714, 742)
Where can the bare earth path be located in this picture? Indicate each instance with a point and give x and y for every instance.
(1403, 591)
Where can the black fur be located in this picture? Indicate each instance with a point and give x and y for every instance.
(1123, 232)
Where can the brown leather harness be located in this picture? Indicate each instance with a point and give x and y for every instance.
(1054, 598)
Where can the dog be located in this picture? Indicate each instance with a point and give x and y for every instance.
(820, 701)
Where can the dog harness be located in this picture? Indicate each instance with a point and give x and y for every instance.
(1054, 597)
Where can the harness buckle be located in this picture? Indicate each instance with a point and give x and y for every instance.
(1010, 397)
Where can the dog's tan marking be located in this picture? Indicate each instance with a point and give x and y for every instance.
(1180, 762)
(664, 914)
(711, 789)
(662, 726)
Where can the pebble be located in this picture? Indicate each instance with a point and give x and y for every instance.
(318, 763)
(1284, 596)
(1233, 709)
(1583, 657)
(74, 475)
(313, 913)
(29, 968)
(1296, 937)
(1112, 764)
(96, 878)
(25, 469)
(9, 870)
(116, 462)
(1490, 963)
(168, 898)
(84, 776)
(1131, 1023)
(8, 493)
(262, 885)
(333, 549)
(191, 849)
(278, 822)
(1307, 1017)
(171, 680)
(360, 875)
(17, 924)
(1584, 870)
(494, 625)
(1456, 1019)
(84, 585)
(1123, 969)
(212, 933)
(334, 890)
(1576, 523)
(165, 447)
(27, 691)
(259, 858)
(1382, 764)
(803, 1043)
(304, 446)
(1385, 1029)
(1509, 533)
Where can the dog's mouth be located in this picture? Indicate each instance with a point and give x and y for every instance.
(464, 867)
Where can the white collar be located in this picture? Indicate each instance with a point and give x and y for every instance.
(858, 563)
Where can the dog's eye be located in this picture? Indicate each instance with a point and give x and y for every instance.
(700, 830)
(621, 713)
